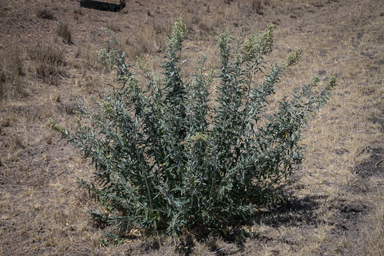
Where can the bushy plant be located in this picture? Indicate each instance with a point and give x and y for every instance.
(171, 156)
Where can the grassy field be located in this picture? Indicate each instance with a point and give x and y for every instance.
(46, 55)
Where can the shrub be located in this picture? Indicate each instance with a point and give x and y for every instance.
(166, 157)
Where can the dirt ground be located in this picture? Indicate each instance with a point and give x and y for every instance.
(47, 55)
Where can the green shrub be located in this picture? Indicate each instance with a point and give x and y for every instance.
(170, 157)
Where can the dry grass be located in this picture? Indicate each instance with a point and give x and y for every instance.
(336, 196)
(150, 37)
(49, 61)
(65, 33)
(373, 236)
(3, 82)
(45, 13)
(12, 71)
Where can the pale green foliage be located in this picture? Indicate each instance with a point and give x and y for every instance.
(165, 157)
(258, 45)
(223, 45)
(179, 31)
(54, 126)
(293, 57)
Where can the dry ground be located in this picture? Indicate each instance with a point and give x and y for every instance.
(46, 54)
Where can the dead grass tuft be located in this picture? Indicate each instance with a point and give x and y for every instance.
(78, 11)
(373, 235)
(16, 143)
(114, 26)
(48, 139)
(162, 26)
(3, 80)
(257, 6)
(6, 122)
(15, 58)
(49, 61)
(12, 71)
(68, 108)
(45, 13)
(56, 97)
(149, 38)
(65, 33)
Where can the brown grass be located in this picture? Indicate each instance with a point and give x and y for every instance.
(3, 80)
(65, 33)
(373, 243)
(49, 61)
(12, 71)
(45, 13)
(336, 196)
(257, 6)
(150, 37)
